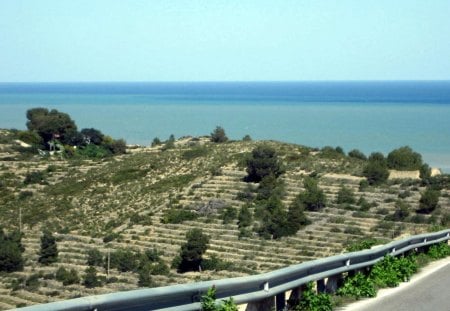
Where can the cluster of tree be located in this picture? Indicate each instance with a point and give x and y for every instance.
(51, 129)
(275, 220)
(11, 250)
(49, 250)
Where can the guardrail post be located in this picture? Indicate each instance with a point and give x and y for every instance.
(280, 301)
(321, 286)
(266, 304)
(333, 283)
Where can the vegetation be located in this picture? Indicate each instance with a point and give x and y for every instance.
(376, 170)
(313, 198)
(429, 201)
(67, 277)
(313, 301)
(404, 159)
(125, 204)
(49, 250)
(191, 253)
(263, 162)
(209, 302)
(218, 135)
(11, 250)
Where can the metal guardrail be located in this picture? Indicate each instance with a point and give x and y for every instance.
(186, 297)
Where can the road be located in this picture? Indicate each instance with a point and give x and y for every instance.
(430, 292)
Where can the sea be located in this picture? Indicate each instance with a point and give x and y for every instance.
(365, 115)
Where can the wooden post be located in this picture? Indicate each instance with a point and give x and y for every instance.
(109, 262)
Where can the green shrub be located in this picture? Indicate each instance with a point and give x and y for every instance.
(195, 152)
(428, 201)
(313, 198)
(218, 135)
(94, 257)
(229, 214)
(176, 216)
(263, 162)
(439, 251)
(357, 286)
(208, 302)
(345, 195)
(91, 278)
(35, 177)
(361, 244)
(355, 153)
(67, 277)
(312, 301)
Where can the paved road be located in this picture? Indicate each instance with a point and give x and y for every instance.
(432, 293)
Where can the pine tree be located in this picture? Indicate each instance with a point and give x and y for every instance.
(49, 249)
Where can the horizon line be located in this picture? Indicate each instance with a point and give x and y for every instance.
(222, 81)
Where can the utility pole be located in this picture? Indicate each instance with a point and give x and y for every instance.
(109, 261)
(20, 219)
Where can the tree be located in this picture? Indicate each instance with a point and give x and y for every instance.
(429, 201)
(91, 279)
(263, 162)
(11, 252)
(313, 198)
(92, 136)
(192, 251)
(355, 153)
(404, 159)
(425, 172)
(94, 257)
(218, 135)
(296, 218)
(156, 142)
(51, 124)
(376, 170)
(49, 251)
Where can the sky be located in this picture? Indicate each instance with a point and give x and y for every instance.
(223, 40)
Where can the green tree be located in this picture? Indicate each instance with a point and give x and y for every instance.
(156, 142)
(67, 277)
(296, 218)
(49, 251)
(404, 159)
(376, 170)
(11, 252)
(429, 201)
(92, 136)
(218, 135)
(425, 172)
(51, 124)
(355, 153)
(91, 278)
(313, 198)
(192, 251)
(263, 162)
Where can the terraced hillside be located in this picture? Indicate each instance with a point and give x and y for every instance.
(123, 203)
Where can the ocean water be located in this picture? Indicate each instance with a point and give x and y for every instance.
(370, 116)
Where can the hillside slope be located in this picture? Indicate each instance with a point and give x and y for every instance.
(120, 203)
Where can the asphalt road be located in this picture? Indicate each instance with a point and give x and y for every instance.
(432, 293)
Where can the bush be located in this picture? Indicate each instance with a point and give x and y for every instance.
(428, 201)
(209, 303)
(404, 159)
(34, 178)
(355, 153)
(94, 257)
(345, 195)
(229, 214)
(361, 244)
(194, 153)
(176, 216)
(91, 279)
(156, 142)
(67, 277)
(312, 301)
(218, 135)
(357, 286)
(313, 198)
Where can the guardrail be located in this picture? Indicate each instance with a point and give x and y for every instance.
(186, 297)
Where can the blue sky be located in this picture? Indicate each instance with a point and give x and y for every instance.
(232, 40)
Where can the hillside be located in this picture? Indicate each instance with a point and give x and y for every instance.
(119, 202)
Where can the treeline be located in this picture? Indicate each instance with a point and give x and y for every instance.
(54, 131)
